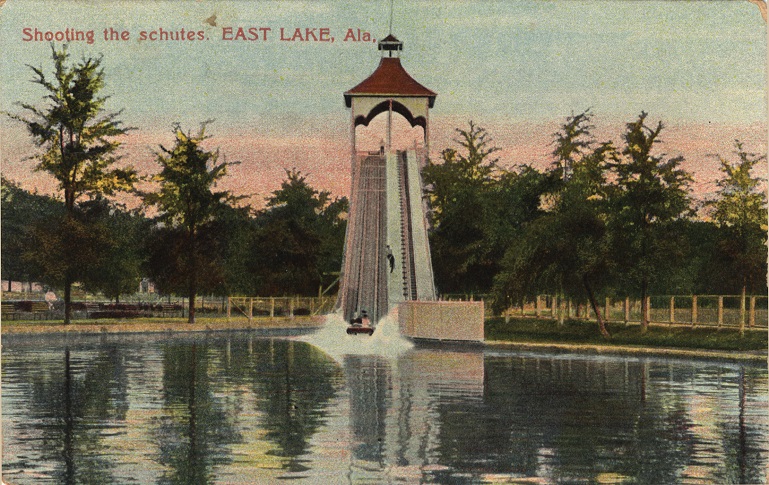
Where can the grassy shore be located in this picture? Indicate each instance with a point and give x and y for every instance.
(520, 333)
(531, 330)
(154, 325)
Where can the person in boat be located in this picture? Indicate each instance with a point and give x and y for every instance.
(364, 320)
(390, 258)
(357, 320)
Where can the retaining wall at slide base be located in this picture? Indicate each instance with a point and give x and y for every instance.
(442, 320)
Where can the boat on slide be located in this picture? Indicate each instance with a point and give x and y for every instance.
(360, 325)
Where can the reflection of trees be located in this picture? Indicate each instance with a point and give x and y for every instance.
(194, 431)
(742, 448)
(291, 384)
(579, 418)
(293, 381)
(69, 400)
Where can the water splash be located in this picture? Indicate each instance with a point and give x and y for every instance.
(333, 339)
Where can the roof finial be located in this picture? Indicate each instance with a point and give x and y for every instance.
(390, 43)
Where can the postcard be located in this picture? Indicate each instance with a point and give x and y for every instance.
(409, 241)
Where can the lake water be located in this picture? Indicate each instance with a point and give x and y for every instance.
(243, 408)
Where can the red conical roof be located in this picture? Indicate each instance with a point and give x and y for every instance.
(389, 79)
(390, 38)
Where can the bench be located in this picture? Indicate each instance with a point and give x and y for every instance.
(9, 311)
(39, 308)
(114, 314)
(169, 309)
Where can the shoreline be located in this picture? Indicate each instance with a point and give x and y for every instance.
(628, 350)
(311, 322)
(101, 327)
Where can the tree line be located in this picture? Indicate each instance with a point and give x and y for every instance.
(198, 239)
(602, 220)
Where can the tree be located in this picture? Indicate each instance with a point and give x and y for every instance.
(235, 229)
(187, 203)
(571, 141)
(458, 190)
(118, 268)
(648, 194)
(21, 212)
(566, 250)
(77, 138)
(64, 249)
(740, 213)
(300, 237)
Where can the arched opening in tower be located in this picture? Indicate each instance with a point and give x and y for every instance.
(404, 136)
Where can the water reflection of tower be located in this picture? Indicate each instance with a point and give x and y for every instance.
(368, 378)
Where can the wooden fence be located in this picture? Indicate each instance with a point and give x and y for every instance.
(254, 306)
(693, 310)
(205, 306)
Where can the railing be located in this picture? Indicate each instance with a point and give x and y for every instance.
(254, 306)
(692, 310)
(173, 307)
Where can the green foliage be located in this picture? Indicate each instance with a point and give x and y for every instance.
(741, 214)
(187, 178)
(741, 202)
(476, 210)
(299, 238)
(571, 142)
(185, 251)
(64, 249)
(75, 131)
(566, 249)
(235, 229)
(21, 212)
(460, 174)
(578, 332)
(648, 194)
(118, 269)
(77, 135)
(649, 189)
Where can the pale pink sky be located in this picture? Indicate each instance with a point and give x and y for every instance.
(325, 160)
(516, 68)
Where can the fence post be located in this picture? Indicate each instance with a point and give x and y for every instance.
(742, 312)
(694, 310)
(752, 318)
(536, 306)
(553, 307)
(272, 307)
(627, 309)
(291, 307)
(720, 311)
(250, 309)
(672, 309)
(563, 309)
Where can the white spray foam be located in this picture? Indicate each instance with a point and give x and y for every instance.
(333, 339)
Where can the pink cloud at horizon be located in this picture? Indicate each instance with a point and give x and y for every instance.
(325, 157)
